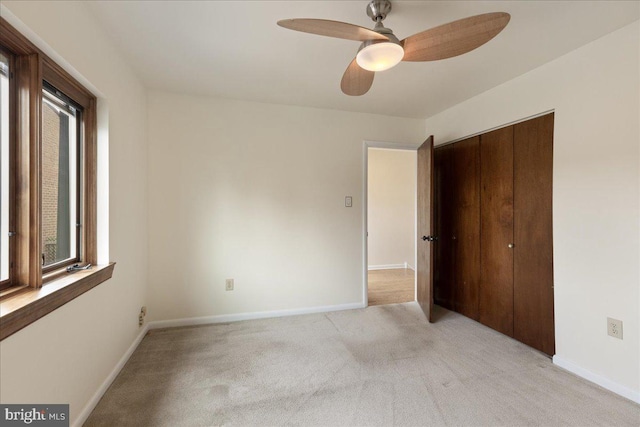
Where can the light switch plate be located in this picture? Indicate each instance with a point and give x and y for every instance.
(348, 201)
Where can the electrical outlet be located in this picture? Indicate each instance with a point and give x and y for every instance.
(229, 285)
(143, 312)
(614, 327)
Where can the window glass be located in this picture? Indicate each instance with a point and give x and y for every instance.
(4, 167)
(60, 228)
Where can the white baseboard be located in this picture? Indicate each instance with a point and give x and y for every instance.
(226, 318)
(387, 266)
(91, 404)
(623, 391)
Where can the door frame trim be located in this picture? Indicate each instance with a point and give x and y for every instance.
(366, 144)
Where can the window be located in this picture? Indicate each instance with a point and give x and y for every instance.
(61, 199)
(4, 171)
(48, 189)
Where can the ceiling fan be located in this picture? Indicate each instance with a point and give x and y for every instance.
(381, 49)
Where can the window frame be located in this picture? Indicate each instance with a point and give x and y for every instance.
(9, 282)
(80, 142)
(25, 299)
(62, 81)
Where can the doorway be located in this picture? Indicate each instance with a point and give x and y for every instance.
(390, 238)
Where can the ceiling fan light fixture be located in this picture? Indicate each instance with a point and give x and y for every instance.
(379, 56)
(381, 50)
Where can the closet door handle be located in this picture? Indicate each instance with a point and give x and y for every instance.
(510, 245)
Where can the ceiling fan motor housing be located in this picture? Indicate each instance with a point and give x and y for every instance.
(379, 28)
(378, 9)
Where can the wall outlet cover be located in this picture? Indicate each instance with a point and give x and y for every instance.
(614, 327)
(229, 284)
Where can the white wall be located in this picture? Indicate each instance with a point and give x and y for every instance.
(594, 91)
(391, 199)
(255, 192)
(65, 356)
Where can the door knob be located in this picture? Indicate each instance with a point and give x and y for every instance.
(425, 238)
(430, 238)
(511, 245)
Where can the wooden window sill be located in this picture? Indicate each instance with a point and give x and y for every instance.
(20, 307)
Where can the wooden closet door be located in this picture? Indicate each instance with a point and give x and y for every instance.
(533, 252)
(466, 155)
(496, 225)
(444, 272)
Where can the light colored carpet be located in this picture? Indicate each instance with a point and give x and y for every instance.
(391, 286)
(381, 365)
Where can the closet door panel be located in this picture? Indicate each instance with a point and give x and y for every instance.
(467, 225)
(533, 252)
(444, 273)
(496, 225)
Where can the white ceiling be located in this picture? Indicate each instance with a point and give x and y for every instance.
(234, 49)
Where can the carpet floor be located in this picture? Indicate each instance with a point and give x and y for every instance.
(382, 365)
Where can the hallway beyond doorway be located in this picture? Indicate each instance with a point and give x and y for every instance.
(391, 286)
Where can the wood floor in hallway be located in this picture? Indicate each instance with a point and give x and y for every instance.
(391, 286)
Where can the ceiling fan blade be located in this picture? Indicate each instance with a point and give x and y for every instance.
(454, 38)
(324, 27)
(356, 81)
